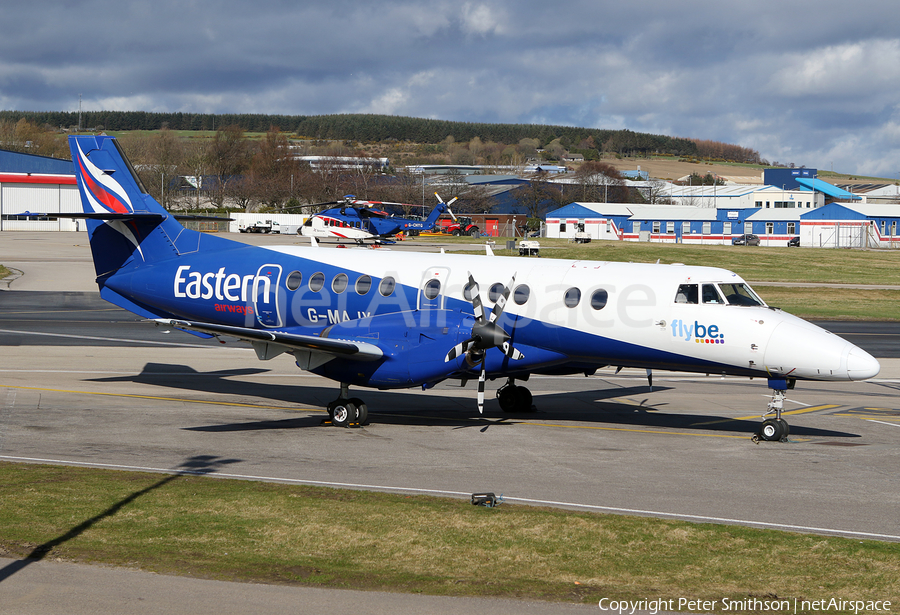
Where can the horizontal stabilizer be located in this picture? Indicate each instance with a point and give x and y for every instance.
(357, 350)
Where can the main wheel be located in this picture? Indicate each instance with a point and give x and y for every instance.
(772, 430)
(508, 398)
(362, 411)
(523, 399)
(345, 412)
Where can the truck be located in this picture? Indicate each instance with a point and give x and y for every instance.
(260, 226)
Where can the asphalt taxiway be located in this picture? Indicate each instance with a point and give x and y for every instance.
(82, 382)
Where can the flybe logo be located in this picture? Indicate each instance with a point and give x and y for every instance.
(701, 334)
(223, 286)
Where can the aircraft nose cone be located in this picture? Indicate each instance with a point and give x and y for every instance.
(861, 365)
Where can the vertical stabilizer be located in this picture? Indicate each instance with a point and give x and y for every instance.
(126, 226)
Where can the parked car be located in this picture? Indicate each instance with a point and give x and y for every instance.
(794, 242)
(746, 240)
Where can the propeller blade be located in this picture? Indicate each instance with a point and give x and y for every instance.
(511, 352)
(501, 300)
(481, 379)
(459, 350)
(477, 306)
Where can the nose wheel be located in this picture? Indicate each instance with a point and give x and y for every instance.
(774, 429)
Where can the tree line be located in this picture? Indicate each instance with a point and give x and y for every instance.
(369, 128)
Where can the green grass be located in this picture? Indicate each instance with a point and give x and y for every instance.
(766, 264)
(770, 264)
(271, 533)
(3, 272)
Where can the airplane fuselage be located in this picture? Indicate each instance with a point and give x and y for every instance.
(565, 316)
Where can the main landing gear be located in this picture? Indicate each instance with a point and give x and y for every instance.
(346, 411)
(514, 398)
(777, 429)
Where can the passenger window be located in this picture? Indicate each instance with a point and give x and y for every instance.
(339, 283)
(687, 293)
(470, 291)
(363, 284)
(432, 289)
(710, 294)
(521, 294)
(599, 299)
(572, 298)
(386, 288)
(495, 292)
(293, 280)
(316, 282)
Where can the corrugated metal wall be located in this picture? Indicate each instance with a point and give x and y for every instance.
(39, 198)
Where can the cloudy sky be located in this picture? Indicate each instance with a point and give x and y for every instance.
(813, 83)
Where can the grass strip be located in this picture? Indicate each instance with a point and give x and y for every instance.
(774, 264)
(834, 303)
(272, 533)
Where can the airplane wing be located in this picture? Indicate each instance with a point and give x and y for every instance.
(355, 349)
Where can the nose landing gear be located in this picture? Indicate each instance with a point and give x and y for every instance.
(777, 429)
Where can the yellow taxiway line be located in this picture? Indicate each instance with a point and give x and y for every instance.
(154, 397)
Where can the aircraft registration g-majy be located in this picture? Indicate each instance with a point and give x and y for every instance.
(389, 320)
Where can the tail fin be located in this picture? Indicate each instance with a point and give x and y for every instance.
(125, 224)
(440, 208)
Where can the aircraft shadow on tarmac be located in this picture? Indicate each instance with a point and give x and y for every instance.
(598, 406)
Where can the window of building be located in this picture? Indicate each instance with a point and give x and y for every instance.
(748, 227)
(707, 228)
(758, 204)
(792, 228)
(893, 229)
(670, 227)
(635, 227)
(656, 227)
(685, 228)
(562, 227)
(726, 228)
(770, 228)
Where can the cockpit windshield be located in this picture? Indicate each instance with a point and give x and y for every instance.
(733, 293)
(740, 294)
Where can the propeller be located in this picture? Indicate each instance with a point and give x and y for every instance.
(448, 204)
(486, 334)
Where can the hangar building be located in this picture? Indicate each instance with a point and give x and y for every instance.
(37, 184)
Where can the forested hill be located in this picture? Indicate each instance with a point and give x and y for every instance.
(377, 128)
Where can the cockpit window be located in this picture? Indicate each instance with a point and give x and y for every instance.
(711, 295)
(740, 294)
(687, 293)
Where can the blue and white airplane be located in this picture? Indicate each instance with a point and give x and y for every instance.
(392, 319)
